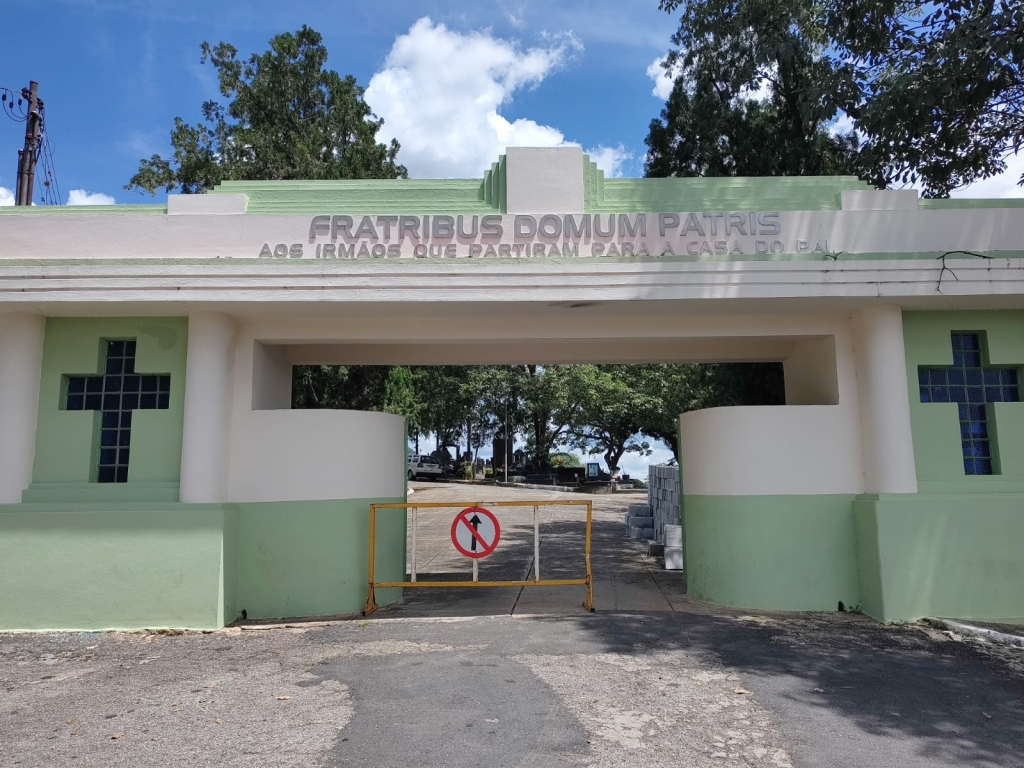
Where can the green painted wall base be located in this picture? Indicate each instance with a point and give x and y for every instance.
(791, 553)
(194, 566)
(310, 558)
(114, 566)
(956, 556)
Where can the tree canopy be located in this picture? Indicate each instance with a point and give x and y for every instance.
(286, 117)
(934, 93)
(597, 409)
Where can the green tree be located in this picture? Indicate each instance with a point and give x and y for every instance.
(549, 407)
(612, 409)
(935, 91)
(677, 389)
(286, 117)
(751, 96)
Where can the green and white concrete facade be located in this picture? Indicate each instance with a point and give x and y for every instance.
(854, 491)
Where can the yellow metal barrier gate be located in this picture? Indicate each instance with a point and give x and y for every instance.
(537, 581)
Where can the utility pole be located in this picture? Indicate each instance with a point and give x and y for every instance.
(27, 156)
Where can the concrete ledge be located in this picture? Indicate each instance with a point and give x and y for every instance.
(207, 205)
(981, 633)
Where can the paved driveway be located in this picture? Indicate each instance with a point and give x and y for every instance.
(478, 680)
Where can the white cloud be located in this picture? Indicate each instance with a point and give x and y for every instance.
(610, 159)
(6, 196)
(1003, 185)
(81, 197)
(842, 125)
(663, 79)
(440, 92)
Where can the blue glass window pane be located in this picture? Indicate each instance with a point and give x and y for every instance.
(968, 466)
(165, 384)
(110, 420)
(970, 341)
(129, 349)
(1011, 395)
(108, 438)
(131, 383)
(126, 419)
(93, 402)
(123, 456)
(922, 376)
(115, 349)
(983, 466)
(115, 365)
(993, 395)
(163, 401)
(112, 384)
(964, 414)
(76, 385)
(75, 402)
(937, 377)
(129, 401)
(979, 429)
(111, 402)
(973, 377)
(977, 412)
(940, 395)
(972, 359)
(93, 384)
(957, 394)
(992, 376)
(147, 400)
(124, 438)
(108, 456)
(925, 395)
(956, 377)
(122, 475)
(149, 383)
(107, 475)
(1008, 376)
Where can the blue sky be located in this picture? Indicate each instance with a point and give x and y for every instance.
(455, 80)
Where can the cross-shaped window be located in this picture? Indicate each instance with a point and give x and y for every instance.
(973, 387)
(116, 392)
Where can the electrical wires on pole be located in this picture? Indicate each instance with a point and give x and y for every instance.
(28, 108)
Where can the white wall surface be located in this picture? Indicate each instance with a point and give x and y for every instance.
(544, 180)
(791, 449)
(287, 455)
(770, 450)
(304, 455)
(21, 361)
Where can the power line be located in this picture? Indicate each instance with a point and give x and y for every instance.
(28, 108)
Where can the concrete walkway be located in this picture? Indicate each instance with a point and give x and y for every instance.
(625, 578)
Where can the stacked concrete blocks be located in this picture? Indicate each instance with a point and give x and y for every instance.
(663, 498)
(673, 552)
(639, 522)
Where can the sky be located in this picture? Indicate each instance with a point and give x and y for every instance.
(455, 81)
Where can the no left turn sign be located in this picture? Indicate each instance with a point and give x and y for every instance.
(475, 532)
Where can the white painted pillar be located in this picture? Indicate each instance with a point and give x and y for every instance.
(884, 400)
(205, 440)
(21, 363)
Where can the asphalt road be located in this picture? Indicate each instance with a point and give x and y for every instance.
(477, 681)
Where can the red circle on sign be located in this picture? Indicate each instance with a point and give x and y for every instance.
(484, 547)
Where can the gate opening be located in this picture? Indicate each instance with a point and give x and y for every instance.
(476, 534)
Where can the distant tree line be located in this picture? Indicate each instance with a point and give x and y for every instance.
(596, 409)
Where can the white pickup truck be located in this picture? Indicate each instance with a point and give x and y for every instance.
(423, 467)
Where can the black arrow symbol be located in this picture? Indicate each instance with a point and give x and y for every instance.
(475, 522)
